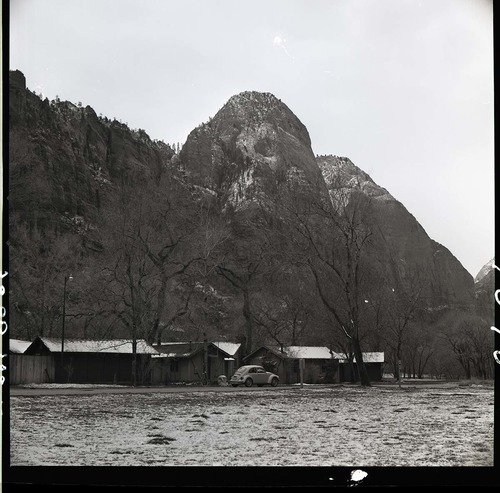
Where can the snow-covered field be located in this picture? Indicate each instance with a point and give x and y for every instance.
(323, 426)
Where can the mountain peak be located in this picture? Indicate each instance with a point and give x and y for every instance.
(254, 98)
(256, 107)
(251, 144)
(485, 270)
(258, 110)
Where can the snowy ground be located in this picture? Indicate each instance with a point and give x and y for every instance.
(324, 426)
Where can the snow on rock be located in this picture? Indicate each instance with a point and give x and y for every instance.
(263, 103)
(485, 270)
(341, 174)
(252, 136)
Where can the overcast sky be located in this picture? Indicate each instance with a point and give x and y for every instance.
(404, 88)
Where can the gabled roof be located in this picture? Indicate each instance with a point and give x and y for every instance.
(299, 352)
(367, 358)
(230, 348)
(122, 346)
(18, 346)
(178, 349)
(316, 352)
(188, 349)
(271, 349)
(308, 352)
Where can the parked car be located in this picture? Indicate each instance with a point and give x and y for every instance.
(249, 375)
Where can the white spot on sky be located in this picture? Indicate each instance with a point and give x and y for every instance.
(281, 42)
(278, 40)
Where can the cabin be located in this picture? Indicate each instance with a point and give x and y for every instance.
(25, 369)
(374, 364)
(194, 362)
(321, 365)
(89, 361)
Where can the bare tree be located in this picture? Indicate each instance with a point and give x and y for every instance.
(420, 347)
(472, 344)
(249, 256)
(336, 235)
(284, 309)
(403, 302)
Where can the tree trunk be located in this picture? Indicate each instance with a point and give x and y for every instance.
(248, 322)
(160, 310)
(134, 361)
(154, 333)
(362, 371)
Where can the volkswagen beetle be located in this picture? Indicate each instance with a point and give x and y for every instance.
(249, 375)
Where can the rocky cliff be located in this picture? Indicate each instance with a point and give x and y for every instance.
(69, 166)
(69, 161)
(255, 144)
(401, 243)
(484, 288)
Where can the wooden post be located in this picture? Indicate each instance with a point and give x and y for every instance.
(302, 364)
(206, 377)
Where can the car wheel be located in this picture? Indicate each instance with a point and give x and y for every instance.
(274, 382)
(234, 384)
(248, 382)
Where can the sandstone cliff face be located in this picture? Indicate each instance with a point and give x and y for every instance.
(253, 145)
(484, 289)
(400, 245)
(68, 166)
(72, 158)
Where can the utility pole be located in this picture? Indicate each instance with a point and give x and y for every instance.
(66, 279)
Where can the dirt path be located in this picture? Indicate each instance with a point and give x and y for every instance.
(102, 389)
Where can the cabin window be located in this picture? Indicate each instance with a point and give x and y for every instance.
(174, 365)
